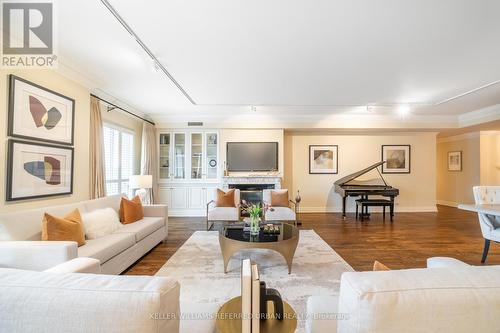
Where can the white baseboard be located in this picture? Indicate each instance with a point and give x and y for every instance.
(400, 209)
(447, 203)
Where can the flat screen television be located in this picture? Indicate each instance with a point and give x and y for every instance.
(252, 156)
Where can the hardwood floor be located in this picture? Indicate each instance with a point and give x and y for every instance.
(405, 243)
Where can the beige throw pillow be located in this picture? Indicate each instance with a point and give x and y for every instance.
(68, 228)
(225, 199)
(279, 198)
(131, 210)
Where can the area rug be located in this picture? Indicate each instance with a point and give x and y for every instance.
(198, 266)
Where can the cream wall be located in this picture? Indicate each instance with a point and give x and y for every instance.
(490, 158)
(81, 95)
(356, 152)
(253, 135)
(133, 124)
(455, 187)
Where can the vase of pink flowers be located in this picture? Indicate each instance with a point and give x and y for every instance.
(255, 211)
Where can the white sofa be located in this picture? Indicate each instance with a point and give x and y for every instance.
(449, 296)
(20, 235)
(66, 302)
(137, 304)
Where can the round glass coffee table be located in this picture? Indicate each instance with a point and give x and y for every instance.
(233, 238)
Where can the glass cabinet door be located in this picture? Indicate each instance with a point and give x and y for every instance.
(164, 156)
(179, 155)
(196, 155)
(212, 160)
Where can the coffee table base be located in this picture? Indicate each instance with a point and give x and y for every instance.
(286, 248)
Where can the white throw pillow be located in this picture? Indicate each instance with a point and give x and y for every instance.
(100, 222)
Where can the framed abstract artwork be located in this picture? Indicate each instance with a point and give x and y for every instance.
(455, 161)
(323, 159)
(397, 158)
(38, 113)
(37, 170)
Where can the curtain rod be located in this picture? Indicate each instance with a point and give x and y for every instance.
(122, 109)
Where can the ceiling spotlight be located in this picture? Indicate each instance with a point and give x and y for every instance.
(403, 110)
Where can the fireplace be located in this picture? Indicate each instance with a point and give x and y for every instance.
(251, 193)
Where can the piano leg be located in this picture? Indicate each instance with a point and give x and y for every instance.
(391, 208)
(343, 207)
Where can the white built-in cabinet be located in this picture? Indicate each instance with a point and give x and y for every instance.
(189, 170)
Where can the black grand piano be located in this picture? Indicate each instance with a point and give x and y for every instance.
(348, 186)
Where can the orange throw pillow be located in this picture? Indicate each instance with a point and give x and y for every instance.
(279, 198)
(68, 228)
(378, 266)
(225, 199)
(131, 210)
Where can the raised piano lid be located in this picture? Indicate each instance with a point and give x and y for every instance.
(366, 182)
(348, 178)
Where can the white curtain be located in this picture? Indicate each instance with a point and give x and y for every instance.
(97, 167)
(149, 158)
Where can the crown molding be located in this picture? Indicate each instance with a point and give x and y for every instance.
(249, 121)
(489, 133)
(459, 137)
(480, 116)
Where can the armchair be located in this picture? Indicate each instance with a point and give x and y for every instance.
(279, 213)
(228, 214)
(490, 225)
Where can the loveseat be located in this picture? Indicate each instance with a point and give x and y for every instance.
(20, 235)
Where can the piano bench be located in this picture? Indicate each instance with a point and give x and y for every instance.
(365, 203)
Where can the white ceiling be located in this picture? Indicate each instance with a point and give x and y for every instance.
(293, 59)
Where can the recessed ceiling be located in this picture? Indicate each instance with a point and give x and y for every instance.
(287, 56)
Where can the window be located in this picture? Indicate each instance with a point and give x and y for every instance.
(119, 159)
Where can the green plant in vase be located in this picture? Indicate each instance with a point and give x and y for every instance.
(255, 211)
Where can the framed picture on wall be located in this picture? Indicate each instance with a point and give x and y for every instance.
(397, 158)
(455, 161)
(38, 113)
(323, 159)
(37, 170)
